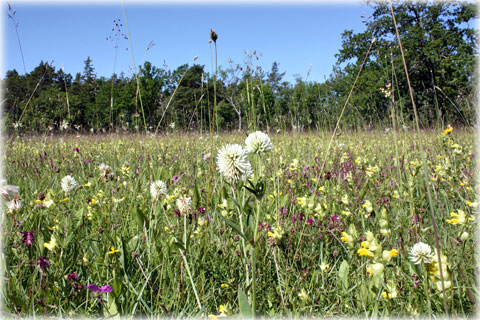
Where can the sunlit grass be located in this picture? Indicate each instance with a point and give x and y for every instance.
(332, 240)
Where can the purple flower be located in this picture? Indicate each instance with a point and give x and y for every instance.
(28, 238)
(72, 276)
(106, 289)
(43, 263)
(310, 221)
(175, 178)
(95, 288)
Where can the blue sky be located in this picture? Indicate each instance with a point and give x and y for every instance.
(295, 36)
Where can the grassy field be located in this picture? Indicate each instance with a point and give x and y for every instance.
(303, 230)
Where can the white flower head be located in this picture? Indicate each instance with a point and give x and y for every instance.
(15, 204)
(158, 188)
(233, 164)
(64, 125)
(68, 184)
(106, 172)
(7, 191)
(184, 204)
(421, 252)
(258, 142)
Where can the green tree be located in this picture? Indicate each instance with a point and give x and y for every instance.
(440, 51)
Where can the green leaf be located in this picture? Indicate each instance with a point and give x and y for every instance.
(179, 245)
(343, 273)
(239, 206)
(196, 195)
(124, 256)
(112, 310)
(117, 286)
(245, 309)
(235, 227)
(140, 218)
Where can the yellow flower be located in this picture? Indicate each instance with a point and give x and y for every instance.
(52, 244)
(113, 250)
(324, 266)
(365, 252)
(365, 244)
(346, 237)
(369, 271)
(457, 218)
(448, 130)
(303, 295)
(393, 253)
(223, 309)
(223, 286)
(301, 201)
(367, 206)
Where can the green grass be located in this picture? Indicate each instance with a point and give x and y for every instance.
(306, 270)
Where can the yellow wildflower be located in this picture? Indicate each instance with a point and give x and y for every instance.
(448, 130)
(303, 295)
(52, 244)
(457, 218)
(113, 250)
(365, 252)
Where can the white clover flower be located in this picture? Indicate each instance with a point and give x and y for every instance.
(421, 252)
(7, 191)
(158, 188)
(106, 172)
(64, 125)
(233, 164)
(15, 204)
(68, 184)
(258, 142)
(184, 204)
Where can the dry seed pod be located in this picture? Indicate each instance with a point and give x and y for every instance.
(213, 35)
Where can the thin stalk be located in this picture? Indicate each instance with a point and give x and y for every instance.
(134, 67)
(405, 67)
(437, 245)
(191, 278)
(31, 96)
(345, 105)
(254, 258)
(171, 97)
(278, 276)
(66, 93)
(240, 218)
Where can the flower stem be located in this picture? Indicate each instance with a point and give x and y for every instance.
(254, 259)
(191, 279)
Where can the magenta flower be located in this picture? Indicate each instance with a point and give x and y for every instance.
(72, 276)
(28, 238)
(43, 263)
(95, 288)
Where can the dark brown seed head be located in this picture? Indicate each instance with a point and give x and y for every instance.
(213, 35)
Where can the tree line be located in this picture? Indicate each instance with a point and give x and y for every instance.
(440, 49)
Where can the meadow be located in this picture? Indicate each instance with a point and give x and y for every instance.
(284, 224)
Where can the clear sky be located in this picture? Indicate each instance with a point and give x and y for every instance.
(294, 35)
